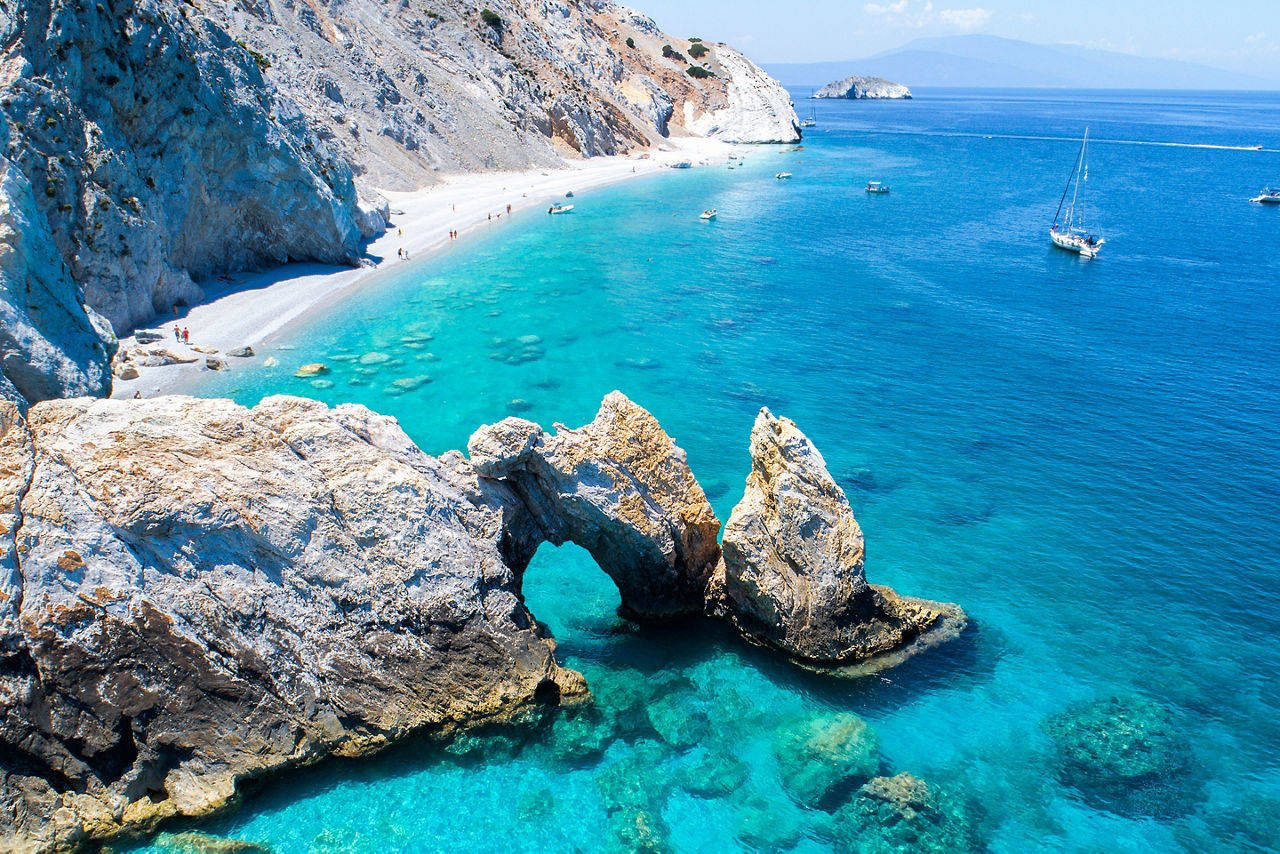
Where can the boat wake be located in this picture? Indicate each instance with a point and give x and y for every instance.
(1096, 140)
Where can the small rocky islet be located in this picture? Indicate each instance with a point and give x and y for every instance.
(385, 585)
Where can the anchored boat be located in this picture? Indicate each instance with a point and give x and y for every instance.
(876, 187)
(559, 209)
(708, 214)
(1070, 233)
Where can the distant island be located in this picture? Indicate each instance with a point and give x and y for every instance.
(860, 88)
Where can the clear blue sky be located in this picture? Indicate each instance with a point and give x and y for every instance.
(1241, 35)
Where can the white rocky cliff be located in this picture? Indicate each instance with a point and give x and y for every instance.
(50, 344)
(168, 142)
(856, 88)
(194, 594)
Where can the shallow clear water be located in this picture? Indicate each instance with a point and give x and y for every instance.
(1083, 454)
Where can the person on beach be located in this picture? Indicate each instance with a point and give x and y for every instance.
(186, 335)
(177, 334)
(508, 208)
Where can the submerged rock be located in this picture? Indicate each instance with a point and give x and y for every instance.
(714, 775)
(824, 756)
(620, 488)
(195, 842)
(792, 570)
(1125, 754)
(314, 369)
(901, 813)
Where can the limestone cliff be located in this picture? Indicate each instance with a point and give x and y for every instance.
(50, 344)
(856, 88)
(194, 594)
(169, 141)
(159, 154)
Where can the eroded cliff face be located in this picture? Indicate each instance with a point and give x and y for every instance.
(158, 153)
(403, 89)
(194, 594)
(50, 344)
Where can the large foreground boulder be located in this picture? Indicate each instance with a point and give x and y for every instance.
(193, 593)
(792, 572)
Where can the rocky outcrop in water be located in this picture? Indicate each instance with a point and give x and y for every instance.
(194, 594)
(620, 488)
(792, 573)
(856, 88)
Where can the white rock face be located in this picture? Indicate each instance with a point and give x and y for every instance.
(759, 109)
(50, 345)
(859, 88)
(159, 155)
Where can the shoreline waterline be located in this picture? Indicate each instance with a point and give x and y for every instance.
(256, 308)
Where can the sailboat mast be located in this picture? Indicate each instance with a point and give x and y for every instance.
(1071, 212)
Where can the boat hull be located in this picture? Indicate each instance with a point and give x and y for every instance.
(1075, 243)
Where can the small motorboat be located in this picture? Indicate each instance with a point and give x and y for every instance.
(708, 215)
(559, 209)
(782, 175)
(1268, 196)
(877, 188)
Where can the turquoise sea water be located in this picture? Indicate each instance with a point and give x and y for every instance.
(1083, 454)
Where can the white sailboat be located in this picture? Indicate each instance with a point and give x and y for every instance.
(812, 120)
(1069, 233)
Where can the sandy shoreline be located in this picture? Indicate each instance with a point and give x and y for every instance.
(252, 309)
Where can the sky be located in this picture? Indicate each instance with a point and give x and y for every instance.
(1240, 35)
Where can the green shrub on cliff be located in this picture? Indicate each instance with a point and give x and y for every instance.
(698, 50)
(698, 72)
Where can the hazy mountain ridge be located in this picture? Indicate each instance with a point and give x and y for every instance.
(978, 61)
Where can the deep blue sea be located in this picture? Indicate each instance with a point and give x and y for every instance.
(1084, 454)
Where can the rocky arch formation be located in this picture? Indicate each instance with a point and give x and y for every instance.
(194, 594)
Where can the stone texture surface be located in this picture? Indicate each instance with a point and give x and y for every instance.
(193, 593)
(620, 488)
(50, 345)
(860, 88)
(792, 572)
